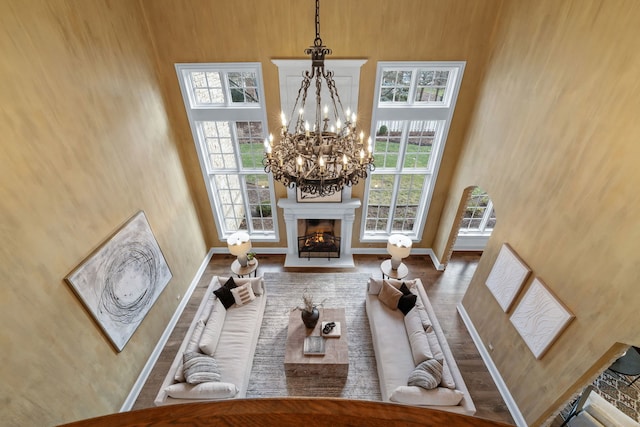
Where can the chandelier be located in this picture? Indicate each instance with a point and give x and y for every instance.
(320, 159)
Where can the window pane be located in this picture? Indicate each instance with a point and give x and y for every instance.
(386, 149)
(251, 143)
(431, 86)
(408, 200)
(243, 87)
(420, 141)
(395, 86)
(379, 204)
(207, 87)
(259, 197)
(218, 144)
(230, 196)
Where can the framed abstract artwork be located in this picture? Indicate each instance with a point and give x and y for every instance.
(507, 277)
(302, 197)
(540, 317)
(121, 280)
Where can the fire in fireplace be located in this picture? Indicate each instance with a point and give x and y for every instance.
(319, 240)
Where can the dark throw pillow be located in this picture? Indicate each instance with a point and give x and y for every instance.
(224, 293)
(404, 289)
(408, 299)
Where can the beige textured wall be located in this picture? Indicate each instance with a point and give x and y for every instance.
(554, 140)
(376, 30)
(85, 144)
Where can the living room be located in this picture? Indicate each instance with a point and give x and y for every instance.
(94, 129)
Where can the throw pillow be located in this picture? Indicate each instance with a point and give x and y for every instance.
(374, 286)
(389, 295)
(224, 293)
(427, 375)
(200, 368)
(243, 294)
(407, 302)
(211, 390)
(411, 395)
(256, 283)
(404, 289)
(211, 333)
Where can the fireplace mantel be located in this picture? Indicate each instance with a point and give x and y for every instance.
(345, 211)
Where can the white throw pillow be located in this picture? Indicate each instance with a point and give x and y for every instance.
(211, 333)
(412, 395)
(211, 390)
(243, 294)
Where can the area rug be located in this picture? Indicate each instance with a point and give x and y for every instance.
(284, 293)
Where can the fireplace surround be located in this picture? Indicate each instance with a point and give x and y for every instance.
(343, 213)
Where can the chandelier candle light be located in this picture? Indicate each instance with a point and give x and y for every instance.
(323, 158)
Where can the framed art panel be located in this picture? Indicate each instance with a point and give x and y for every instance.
(507, 277)
(121, 280)
(302, 197)
(540, 317)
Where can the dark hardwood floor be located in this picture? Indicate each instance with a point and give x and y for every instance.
(445, 290)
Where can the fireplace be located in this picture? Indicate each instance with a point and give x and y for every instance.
(317, 238)
(331, 224)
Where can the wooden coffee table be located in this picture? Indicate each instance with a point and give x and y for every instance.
(334, 363)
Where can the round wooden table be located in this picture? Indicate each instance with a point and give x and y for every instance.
(241, 271)
(400, 273)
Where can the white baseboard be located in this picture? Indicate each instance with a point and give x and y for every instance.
(436, 262)
(493, 370)
(153, 358)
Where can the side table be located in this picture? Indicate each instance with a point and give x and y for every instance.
(241, 271)
(400, 273)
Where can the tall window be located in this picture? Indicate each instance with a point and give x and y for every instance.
(225, 106)
(411, 115)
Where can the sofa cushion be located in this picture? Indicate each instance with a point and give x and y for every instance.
(447, 377)
(211, 333)
(243, 294)
(389, 295)
(206, 311)
(200, 368)
(412, 395)
(408, 299)
(210, 390)
(420, 349)
(224, 293)
(426, 375)
(424, 317)
(192, 345)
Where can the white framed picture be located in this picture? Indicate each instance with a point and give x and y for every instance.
(121, 280)
(540, 317)
(507, 277)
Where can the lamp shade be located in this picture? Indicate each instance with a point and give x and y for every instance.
(239, 243)
(399, 246)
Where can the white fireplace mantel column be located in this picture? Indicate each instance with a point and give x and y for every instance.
(345, 212)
